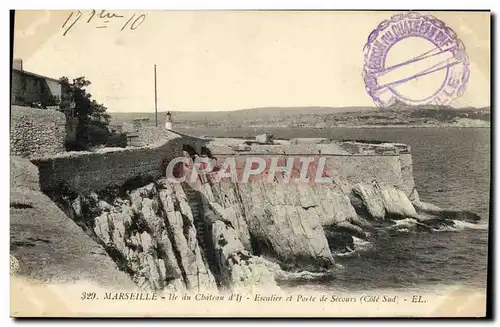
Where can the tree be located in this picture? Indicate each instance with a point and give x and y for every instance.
(93, 120)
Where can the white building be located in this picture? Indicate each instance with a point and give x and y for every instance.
(168, 121)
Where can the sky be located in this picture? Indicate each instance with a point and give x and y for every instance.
(225, 60)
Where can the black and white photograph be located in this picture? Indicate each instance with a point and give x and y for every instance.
(250, 163)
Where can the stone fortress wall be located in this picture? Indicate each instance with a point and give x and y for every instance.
(300, 226)
(39, 135)
(111, 167)
(87, 171)
(36, 132)
(353, 162)
(97, 170)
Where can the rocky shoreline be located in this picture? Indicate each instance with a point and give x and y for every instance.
(218, 236)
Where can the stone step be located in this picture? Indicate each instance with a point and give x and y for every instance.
(195, 203)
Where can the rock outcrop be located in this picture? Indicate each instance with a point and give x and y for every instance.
(239, 269)
(210, 236)
(160, 240)
(49, 246)
(273, 212)
(435, 217)
(151, 232)
(382, 202)
(227, 197)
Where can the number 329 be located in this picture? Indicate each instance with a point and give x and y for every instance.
(88, 296)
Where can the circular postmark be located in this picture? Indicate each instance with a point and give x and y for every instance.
(416, 59)
(14, 265)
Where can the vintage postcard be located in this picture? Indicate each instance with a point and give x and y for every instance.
(249, 163)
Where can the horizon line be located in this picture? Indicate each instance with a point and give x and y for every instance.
(302, 107)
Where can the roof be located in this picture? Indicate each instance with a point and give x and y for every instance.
(36, 75)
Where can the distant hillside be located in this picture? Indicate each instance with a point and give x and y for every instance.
(235, 115)
(319, 117)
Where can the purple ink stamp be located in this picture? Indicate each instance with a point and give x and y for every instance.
(416, 59)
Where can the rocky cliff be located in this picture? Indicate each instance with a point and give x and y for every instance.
(167, 239)
(217, 236)
(213, 237)
(46, 245)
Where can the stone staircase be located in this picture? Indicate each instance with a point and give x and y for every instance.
(203, 234)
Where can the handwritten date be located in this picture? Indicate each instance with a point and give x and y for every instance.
(101, 18)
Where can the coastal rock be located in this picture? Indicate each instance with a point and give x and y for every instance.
(430, 212)
(175, 238)
(228, 197)
(335, 207)
(396, 203)
(240, 270)
(152, 235)
(463, 215)
(430, 223)
(285, 220)
(181, 225)
(339, 241)
(289, 224)
(369, 201)
(351, 229)
(382, 201)
(426, 207)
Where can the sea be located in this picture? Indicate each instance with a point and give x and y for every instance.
(451, 167)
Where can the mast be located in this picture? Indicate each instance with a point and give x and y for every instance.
(156, 102)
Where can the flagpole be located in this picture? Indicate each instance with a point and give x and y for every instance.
(156, 102)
